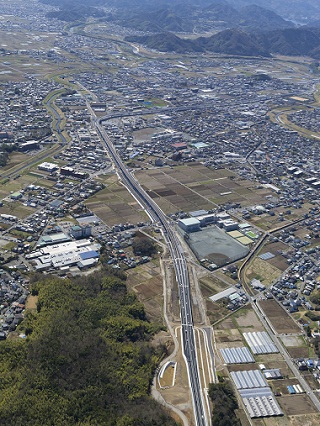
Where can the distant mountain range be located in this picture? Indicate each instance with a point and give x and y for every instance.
(76, 13)
(249, 30)
(183, 17)
(300, 11)
(153, 21)
(186, 18)
(291, 41)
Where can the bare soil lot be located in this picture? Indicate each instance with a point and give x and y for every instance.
(293, 341)
(279, 318)
(298, 352)
(296, 404)
(312, 419)
(146, 133)
(215, 311)
(243, 367)
(32, 302)
(246, 318)
(228, 337)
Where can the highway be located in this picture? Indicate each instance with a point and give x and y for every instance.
(156, 110)
(181, 271)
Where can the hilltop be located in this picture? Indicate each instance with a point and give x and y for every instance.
(175, 17)
(76, 13)
(290, 41)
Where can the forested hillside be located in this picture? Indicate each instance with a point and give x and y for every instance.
(290, 41)
(87, 358)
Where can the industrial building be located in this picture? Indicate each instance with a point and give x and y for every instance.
(207, 219)
(70, 171)
(197, 213)
(82, 253)
(222, 294)
(228, 225)
(78, 231)
(26, 146)
(49, 239)
(8, 217)
(189, 225)
(48, 167)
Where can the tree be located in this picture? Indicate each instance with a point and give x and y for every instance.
(315, 298)
(224, 404)
(144, 246)
(86, 360)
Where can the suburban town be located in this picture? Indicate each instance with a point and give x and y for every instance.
(120, 157)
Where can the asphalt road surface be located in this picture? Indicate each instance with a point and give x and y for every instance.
(181, 271)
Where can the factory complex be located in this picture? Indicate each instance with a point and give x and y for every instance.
(82, 254)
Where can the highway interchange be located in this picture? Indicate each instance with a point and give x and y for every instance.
(181, 271)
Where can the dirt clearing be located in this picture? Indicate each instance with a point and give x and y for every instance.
(297, 404)
(279, 318)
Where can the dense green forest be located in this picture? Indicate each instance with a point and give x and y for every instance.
(87, 358)
(224, 404)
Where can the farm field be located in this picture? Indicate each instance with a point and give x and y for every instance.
(279, 318)
(213, 284)
(298, 352)
(193, 187)
(228, 333)
(17, 184)
(263, 271)
(115, 205)
(146, 281)
(17, 209)
(276, 248)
